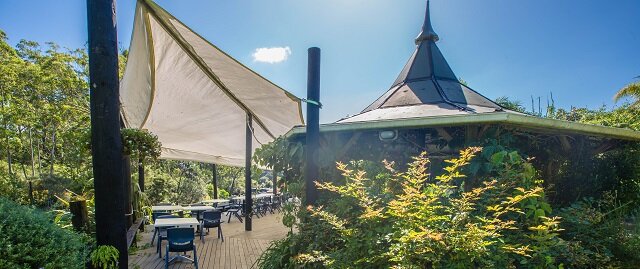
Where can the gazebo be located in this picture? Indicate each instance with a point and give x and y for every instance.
(428, 109)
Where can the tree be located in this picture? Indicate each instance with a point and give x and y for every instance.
(510, 104)
(632, 91)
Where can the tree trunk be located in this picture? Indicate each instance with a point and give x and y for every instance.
(214, 171)
(141, 174)
(79, 214)
(275, 181)
(39, 159)
(33, 164)
(24, 171)
(30, 192)
(53, 150)
(233, 183)
(6, 128)
(9, 163)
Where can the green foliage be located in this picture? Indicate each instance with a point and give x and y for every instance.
(600, 233)
(105, 257)
(632, 91)
(428, 221)
(140, 144)
(158, 189)
(625, 116)
(510, 104)
(140, 201)
(30, 240)
(62, 215)
(44, 122)
(188, 182)
(283, 156)
(222, 194)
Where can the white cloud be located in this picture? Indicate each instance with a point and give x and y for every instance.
(271, 55)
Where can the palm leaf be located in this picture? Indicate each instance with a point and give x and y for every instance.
(632, 90)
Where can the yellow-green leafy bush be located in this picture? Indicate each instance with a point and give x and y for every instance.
(425, 221)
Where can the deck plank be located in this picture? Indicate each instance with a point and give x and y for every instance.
(240, 249)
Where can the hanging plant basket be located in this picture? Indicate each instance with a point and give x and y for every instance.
(140, 144)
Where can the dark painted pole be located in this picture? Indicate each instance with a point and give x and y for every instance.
(215, 181)
(128, 205)
(141, 180)
(311, 172)
(106, 146)
(248, 198)
(275, 181)
(141, 174)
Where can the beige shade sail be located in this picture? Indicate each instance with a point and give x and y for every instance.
(194, 96)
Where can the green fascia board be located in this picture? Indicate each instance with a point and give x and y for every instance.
(524, 121)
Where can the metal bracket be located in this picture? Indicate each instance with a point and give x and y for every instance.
(311, 102)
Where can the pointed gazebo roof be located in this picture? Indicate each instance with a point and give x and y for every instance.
(426, 87)
(427, 93)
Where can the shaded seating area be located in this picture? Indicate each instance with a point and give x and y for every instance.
(176, 85)
(238, 250)
(199, 218)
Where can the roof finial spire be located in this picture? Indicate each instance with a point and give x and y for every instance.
(427, 32)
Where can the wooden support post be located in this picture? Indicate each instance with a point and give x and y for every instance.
(128, 204)
(214, 170)
(79, 215)
(248, 197)
(444, 134)
(311, 172)
(106, 145)
(471, 134)
(274, 176)
(141, 174)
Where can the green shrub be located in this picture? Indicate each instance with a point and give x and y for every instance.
(105, 257)
(28, 239)
(425, 221)
(601, 233)
(222, 194)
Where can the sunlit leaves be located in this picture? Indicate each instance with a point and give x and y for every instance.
(437, 222)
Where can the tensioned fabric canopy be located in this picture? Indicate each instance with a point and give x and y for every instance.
(194, 96)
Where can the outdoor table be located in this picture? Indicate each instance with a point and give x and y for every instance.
(216, 201)
(263, 195)
(198, 209)
(257, 196)
(166, 208)
(177, 222)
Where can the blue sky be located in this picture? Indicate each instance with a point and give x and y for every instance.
(581, 50)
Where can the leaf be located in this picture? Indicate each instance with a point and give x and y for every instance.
(540, 213)
(498, 157)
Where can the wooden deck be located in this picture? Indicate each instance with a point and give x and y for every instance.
(240, 249)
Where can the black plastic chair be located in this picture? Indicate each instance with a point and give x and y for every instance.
(180, 240)
(211, 219)
(235, 210)
(276, 204)
(154, 216)
(162, 233)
